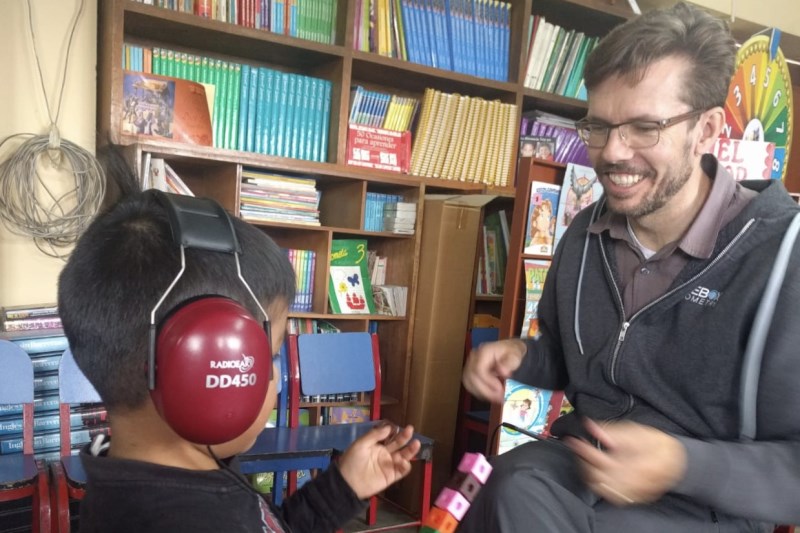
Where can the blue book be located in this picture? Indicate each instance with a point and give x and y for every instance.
(316, 111)
(326, 118)
(281, 103)
(304, 123)
(55, 343)
(46, 362)
(287, 150)
(244, 106)
(258, 119)
(274, 81)
(314, 86)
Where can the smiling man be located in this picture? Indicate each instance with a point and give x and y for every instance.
(646, 313)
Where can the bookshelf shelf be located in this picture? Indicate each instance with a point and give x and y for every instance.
(414, 77)
(217, 172)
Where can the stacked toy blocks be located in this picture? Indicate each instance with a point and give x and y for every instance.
(459, 493)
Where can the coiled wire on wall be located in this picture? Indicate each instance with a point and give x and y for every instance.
(31, 208)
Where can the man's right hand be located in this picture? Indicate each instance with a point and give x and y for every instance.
(489, 365)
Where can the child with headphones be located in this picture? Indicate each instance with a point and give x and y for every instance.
(173, 310)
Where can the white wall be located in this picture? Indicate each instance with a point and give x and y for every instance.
(26, 275)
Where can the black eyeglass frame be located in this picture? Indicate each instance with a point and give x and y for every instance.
(658, 125)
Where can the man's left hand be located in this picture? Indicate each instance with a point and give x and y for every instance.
(637, 463)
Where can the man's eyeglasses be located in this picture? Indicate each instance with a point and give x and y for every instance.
(635, 133)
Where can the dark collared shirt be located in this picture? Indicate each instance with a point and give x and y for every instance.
(643, 280)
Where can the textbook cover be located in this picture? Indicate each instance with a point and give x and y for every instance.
(165, 108)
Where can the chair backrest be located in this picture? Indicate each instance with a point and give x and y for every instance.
(334, 363)
(16, 387)
(74, 388)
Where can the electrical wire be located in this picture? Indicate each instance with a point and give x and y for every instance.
(28, 206)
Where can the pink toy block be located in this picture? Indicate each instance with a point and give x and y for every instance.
(441, 521)
(477, 465)
(453, 502)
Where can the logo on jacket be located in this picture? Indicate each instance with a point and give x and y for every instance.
(704, 296)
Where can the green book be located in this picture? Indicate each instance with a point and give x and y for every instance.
(349, 287)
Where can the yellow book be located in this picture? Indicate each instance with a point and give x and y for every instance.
(448, 134)
(422, 134)
(482, 149)
(500, 145)
(473, 150)
(437, 133)
(459, 132)
(511, 139)
(482, 143)
(469, 133)
(489, 170)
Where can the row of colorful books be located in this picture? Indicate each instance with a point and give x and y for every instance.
(268, 197)
(45, 347)
(314, 20)
(552, 207)
(556, 57)
(381, 110)
(467, 36)
(464, 138)
(34, 317)
(375, 203)
(568, 147)
(304, 264)
(253, 109)
(296, 326)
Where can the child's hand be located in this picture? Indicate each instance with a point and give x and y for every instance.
(370, 465)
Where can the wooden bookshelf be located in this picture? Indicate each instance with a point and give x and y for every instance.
(217, 172)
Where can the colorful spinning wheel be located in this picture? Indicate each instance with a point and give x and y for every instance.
(759, 103)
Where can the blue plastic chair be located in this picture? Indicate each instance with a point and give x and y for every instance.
(330, 364)
(21, 476)
(278, 449)
(69, 477)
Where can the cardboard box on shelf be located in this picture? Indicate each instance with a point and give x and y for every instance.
(450, 229)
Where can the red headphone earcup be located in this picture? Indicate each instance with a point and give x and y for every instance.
(212, 370)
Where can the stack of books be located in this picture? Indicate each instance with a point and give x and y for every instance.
(400, 217)
(569, 148)
(30, 317)
(268, 197)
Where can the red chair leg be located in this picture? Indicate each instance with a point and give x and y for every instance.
(372, 511)
(41, 502)
(425, 504)
(59, 499)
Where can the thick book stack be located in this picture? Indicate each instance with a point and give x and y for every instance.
(253, 109)
(304, 264)
(30, 318)
(268, 197)
(45, 346)
(400, 217)
(568, 146)
(314, 20)
(464, 138)
(556, 57)
(382, 110)
(467, 36)
(374, 209)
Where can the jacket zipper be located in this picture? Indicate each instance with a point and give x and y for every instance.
(626, 323)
